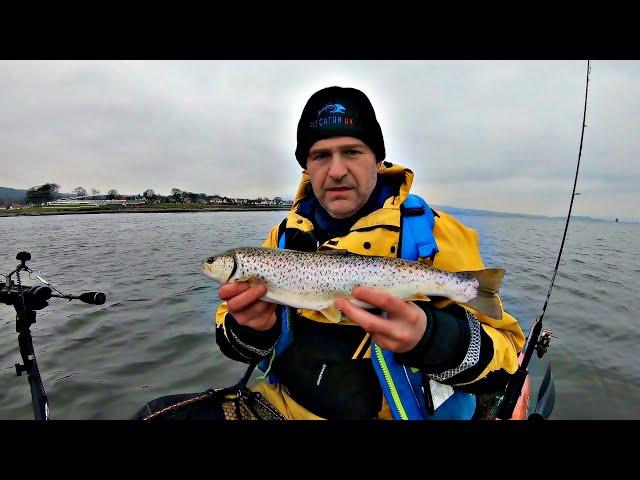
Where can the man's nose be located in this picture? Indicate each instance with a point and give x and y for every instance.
(338, 167)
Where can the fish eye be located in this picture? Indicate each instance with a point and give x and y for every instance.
(210, 260)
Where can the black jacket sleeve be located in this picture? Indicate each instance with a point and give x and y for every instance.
(246, 344)
(454, 348)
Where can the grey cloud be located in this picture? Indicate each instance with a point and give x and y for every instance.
(501, 135)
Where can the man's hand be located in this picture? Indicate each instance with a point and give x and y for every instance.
(243, 301)
(399, 332)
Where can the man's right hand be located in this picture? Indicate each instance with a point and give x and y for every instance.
(243, 302)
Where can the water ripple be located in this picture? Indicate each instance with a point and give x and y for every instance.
(155, 335)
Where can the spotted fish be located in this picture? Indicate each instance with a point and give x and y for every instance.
(312, 280)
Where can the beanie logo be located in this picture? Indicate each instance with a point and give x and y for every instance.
(332, 108)
(333, 115)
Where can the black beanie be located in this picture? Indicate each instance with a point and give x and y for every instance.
(338, 112)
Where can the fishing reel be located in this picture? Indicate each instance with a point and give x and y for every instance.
(542, 345)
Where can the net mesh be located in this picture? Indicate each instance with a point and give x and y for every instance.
(224, 404)
(249, 406)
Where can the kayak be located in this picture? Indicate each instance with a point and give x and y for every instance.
(239, 403)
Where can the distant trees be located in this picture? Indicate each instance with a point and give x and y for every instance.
(176, 194)
(42, 194)
(184, 196)
(112, 194)
(50, 191)
(80, 192)
(149, 194)
(190, 197)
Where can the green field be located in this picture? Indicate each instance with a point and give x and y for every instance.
(150, 208)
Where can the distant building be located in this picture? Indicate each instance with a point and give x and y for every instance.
(89, 197)
(87, 202)
(66, 202)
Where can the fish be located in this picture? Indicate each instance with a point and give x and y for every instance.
(312, 280)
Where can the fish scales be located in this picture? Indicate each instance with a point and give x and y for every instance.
(313, 279)
(308, 273)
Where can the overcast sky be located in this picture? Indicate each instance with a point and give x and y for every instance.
(497, 135)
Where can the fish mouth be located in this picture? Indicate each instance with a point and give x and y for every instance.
(205, 268)
(214, 273)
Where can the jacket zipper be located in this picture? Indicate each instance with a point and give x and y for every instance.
(390, 384)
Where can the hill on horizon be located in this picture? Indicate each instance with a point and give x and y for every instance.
(470, 211)
(12, 195)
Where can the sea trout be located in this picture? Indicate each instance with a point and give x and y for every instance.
(312, 280)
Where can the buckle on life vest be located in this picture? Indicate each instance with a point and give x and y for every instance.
(413, 211)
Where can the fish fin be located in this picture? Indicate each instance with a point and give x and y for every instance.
(421, 297)
(490, 306)
(487, 300)
(250, 279)
(332, 314)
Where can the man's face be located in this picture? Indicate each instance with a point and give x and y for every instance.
(343, 173)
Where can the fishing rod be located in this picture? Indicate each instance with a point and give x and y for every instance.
(26, 300)
(538, 339)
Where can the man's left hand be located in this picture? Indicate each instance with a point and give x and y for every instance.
(399, 332)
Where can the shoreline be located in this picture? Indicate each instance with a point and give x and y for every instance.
(96, 211)
(235, 208)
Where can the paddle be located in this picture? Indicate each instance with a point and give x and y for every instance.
(546, 397)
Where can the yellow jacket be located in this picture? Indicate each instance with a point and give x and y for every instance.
(458, 251)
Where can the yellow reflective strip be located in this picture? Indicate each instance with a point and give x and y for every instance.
(362, 344)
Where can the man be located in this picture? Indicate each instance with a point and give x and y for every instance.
(402, 359)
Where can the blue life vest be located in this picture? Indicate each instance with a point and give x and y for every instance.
(402, 386)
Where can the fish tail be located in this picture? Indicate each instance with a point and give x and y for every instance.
(487, 300)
